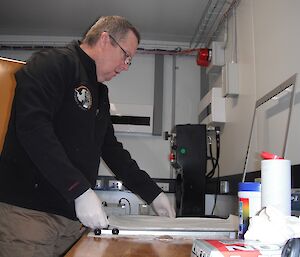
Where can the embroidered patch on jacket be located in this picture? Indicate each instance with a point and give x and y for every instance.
(83, 97)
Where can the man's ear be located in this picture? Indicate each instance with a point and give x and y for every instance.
(104, 38)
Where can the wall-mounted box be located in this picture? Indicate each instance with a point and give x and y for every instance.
(132, 118)
(217, 57)
(212, 108)
(230, 79)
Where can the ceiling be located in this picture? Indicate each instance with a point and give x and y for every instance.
(159, 20)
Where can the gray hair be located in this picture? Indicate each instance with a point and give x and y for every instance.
(116, 26)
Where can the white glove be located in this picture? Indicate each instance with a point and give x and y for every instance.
(89, 210)
(162, 206)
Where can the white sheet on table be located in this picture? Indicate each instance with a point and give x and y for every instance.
(147, 222)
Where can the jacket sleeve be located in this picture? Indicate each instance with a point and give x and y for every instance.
(126, 169)
(39, 93)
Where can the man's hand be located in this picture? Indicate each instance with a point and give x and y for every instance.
(162, 206)
(89, 210)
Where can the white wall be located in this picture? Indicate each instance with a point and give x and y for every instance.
(277, 47)
(267, 54)
(235, 133)
(134, 86)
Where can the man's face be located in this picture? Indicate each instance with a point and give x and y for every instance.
(115, 56)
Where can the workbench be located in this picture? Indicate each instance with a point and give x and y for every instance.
(119, 246)
(152, 236)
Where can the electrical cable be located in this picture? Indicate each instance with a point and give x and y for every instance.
(26, 47)
(215, 161)
(215, 164)
(210, 157)
(129, 205)
(217, 190)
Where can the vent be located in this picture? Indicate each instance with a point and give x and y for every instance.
(132, 118)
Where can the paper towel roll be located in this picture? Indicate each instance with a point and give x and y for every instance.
(276, 185)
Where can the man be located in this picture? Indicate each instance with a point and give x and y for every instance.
(59, 128)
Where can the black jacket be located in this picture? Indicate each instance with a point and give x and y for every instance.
(59, 128)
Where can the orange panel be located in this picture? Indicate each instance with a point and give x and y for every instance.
(8, 68)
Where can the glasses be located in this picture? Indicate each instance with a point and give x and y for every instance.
(128, 58)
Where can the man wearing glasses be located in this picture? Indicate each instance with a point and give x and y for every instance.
(59, 128)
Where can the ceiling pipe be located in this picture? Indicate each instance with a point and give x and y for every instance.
(219, 19)
(215, 23)
(234, 37)
(234, 4)
(194, 37)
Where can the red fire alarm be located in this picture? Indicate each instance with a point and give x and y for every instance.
(204, 57)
